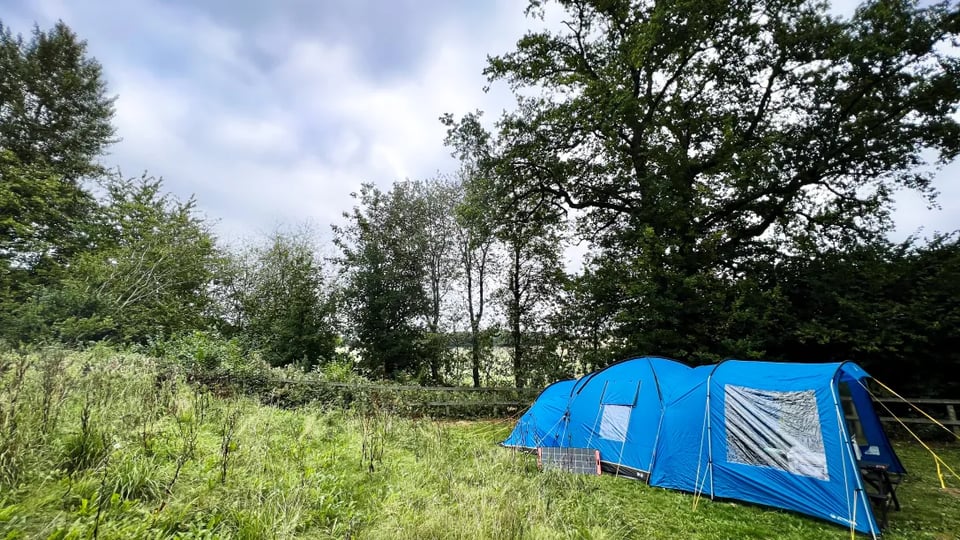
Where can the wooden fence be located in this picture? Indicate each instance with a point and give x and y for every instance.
(462, 401)
(892, 411)
(441, 401)
(452, 401)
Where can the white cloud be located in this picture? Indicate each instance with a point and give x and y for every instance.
(914, 215)
(275, 116)
(285, 139)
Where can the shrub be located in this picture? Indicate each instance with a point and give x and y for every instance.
(199, 350)
(85, 449)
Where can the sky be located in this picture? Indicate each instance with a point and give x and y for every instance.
(272, 113)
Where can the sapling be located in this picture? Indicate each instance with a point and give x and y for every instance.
(227, 445)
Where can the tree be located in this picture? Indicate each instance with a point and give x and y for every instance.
(39, 224)
(54, 124)
(436, 198)
(383, 266)
(533, 275)
(149, 270)
(528, 229)
(705, 134)
(890, 308)
(476, 217)
(54, 107)
(283, 308)
(584, 320)
(478, 258)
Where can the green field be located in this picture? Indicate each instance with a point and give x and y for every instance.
(110, 445)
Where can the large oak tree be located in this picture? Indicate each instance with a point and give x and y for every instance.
(716, 123)
(697, 137)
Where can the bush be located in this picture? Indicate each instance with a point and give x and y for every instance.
(200, 350)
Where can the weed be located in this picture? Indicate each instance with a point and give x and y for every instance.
(135, 477)
(89, 445)
(373, 430)
(102, 498)
(227, 442)
(154, 398)
(189, 420)
(168, 491)
(53, 387)
(9, 415)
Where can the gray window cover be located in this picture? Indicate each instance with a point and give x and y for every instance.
(775, 429)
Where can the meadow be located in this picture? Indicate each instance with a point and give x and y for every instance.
(101, 444)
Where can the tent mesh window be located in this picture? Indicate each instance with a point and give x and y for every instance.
(775, 429)
(574, 460)
(613, 425)
(617, 402)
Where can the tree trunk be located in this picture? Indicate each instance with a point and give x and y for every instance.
(517, 292)
(435, 354)
(517, 359)
(436, 351)
(475, 354)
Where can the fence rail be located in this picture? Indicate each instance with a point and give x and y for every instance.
(440, 400)
(498, 401)
(920, 401)
(450, 401)
(944, 411)
(525, 396)
(401, 387)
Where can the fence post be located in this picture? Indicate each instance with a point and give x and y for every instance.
(952, 416)
(850, 409)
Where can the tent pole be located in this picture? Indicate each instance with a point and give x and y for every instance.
(847, 445)
(656, 441)
(599, 410)
(710, 433)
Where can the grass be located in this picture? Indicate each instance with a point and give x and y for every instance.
(102, 445)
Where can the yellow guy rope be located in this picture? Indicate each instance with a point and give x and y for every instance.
(932, 419)
(938, 461)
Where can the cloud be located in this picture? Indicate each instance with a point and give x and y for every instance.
(274, 112)
(915, 216)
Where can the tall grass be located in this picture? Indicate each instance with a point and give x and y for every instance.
(101, 444)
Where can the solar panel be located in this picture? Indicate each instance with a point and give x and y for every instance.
(574, 460)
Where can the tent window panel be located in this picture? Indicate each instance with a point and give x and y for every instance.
(775, 429)
(613, 426)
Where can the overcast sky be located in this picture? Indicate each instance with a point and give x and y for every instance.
(272, 113)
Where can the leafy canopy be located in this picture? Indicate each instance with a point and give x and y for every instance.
(54, 107)
(383, 262)
(719, 124)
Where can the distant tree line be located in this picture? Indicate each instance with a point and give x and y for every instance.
(729, 167)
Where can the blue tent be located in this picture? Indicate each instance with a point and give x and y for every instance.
(765, 432)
